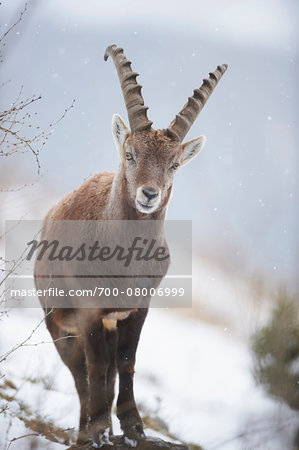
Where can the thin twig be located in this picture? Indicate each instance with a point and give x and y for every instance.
(19, 188)
(21, 344)
(5, 408)
(53, 341)
(13, 141)
(21, 437)
(15, 24)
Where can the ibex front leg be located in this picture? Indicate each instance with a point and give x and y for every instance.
(98, 359)
(128, 337)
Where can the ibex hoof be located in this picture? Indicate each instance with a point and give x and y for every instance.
(102, 439)
(133, 434)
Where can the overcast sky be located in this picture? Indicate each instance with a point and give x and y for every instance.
(242, 191)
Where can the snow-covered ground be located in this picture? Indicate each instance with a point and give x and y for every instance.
(193, 374)
(194, 367)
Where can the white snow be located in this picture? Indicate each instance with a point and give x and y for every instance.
(130, 442)
(196, 376)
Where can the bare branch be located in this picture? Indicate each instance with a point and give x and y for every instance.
(15, 24)
(13, 139)
(19, 188)
(21, 344)
(51, 342)
(5, 408)
(21, 437)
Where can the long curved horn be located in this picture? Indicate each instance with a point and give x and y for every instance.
(137, 111)
(180, 126)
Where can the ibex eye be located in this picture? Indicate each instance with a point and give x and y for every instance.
(175, 166)
(129, 156)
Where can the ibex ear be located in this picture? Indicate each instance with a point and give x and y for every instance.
(192, 148)
(119, 130)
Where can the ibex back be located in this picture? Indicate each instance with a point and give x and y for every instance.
(102, 342)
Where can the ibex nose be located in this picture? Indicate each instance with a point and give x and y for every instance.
(150, 192)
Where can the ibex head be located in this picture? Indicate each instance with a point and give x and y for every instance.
(151, 157)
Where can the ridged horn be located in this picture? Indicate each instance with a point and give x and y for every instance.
(137, 111)
(180, 126)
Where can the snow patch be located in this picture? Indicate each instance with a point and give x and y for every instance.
(130, 442)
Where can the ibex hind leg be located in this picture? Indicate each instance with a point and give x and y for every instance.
(71, 351)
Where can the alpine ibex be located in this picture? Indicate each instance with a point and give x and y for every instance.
(103, 341)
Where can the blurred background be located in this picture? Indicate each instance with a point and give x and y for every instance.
(241, 194)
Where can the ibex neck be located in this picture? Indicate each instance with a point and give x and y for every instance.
(119, 207)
